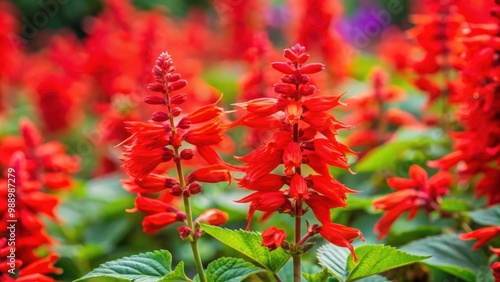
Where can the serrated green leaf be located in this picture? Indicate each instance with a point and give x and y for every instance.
(177, 275)
(249, 244)
(485, 274)
(230, 270)
(450, 254)
(382, 156)
(489, 216)
(374, 278)
(454, 205)
(316, 277)
(145, 267)
(335, 260)
(405, 237)
(374, 259)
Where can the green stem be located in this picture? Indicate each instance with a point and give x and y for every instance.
(193, 240)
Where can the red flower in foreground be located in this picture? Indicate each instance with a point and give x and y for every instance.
(273, 237)
(302, 132)
(482, 235)
(341, 236)
(160, 140)
(413, 193)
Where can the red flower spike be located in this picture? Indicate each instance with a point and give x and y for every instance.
(273, 237)
(155, 222)
(213, 217)
(482, 235)
(31, 135)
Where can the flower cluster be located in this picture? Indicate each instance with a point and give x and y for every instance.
(33, 167)
(477, 148)
(483, 236)
(417, 192)
(436, 31)
(303, 132)
(160, 140)
(372, 114)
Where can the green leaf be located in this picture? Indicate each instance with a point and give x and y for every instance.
(383, 156)
(374, 278)
(335, 260)
(449, 254)
(249, 244)
(454, 205)
(177, 275)
(230, 270)
(374, 259)
(146, 267)
(489, 216)
(316, 277)
(405, 237)
(485, 274)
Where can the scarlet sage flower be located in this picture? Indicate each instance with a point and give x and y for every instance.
(162, 139)
(482, 235)
(302, 132)
(273, 237)
(417, 192)
(31, 204)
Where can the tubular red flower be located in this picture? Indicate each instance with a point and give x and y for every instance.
(341, 236)
(210, 174)
(213, 217)
(482, 235)
(273, 237)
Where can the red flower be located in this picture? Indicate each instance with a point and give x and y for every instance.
(213, 217)
(303, 134)
(482, 235)
(341, 236)
(414, 193)
(273, 237)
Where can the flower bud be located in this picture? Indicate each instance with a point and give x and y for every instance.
(167, 155)
(312, 68)
(307, 90)
(156, 87)
(160, 116)
(194, 188)
(170, 182)
(303, 58)
(178, 99)
(273, 237)
(213, 217)
(186, 193)
(290, 55)
(31, 135)
(184, 123)
(176, 111)
(283, 88)
(283, 67)
(176, 85)
(154, 100)
(176, 190)
(184, 232)
(173, 77)
(186, 154)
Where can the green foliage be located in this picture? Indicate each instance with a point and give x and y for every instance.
(229, 270)
(373, 259)
(147, 267)
(449, 254)
(489, 216)
(385, 155)
(249, 244)
(451, 204)
(405, 237)
(316, 277)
